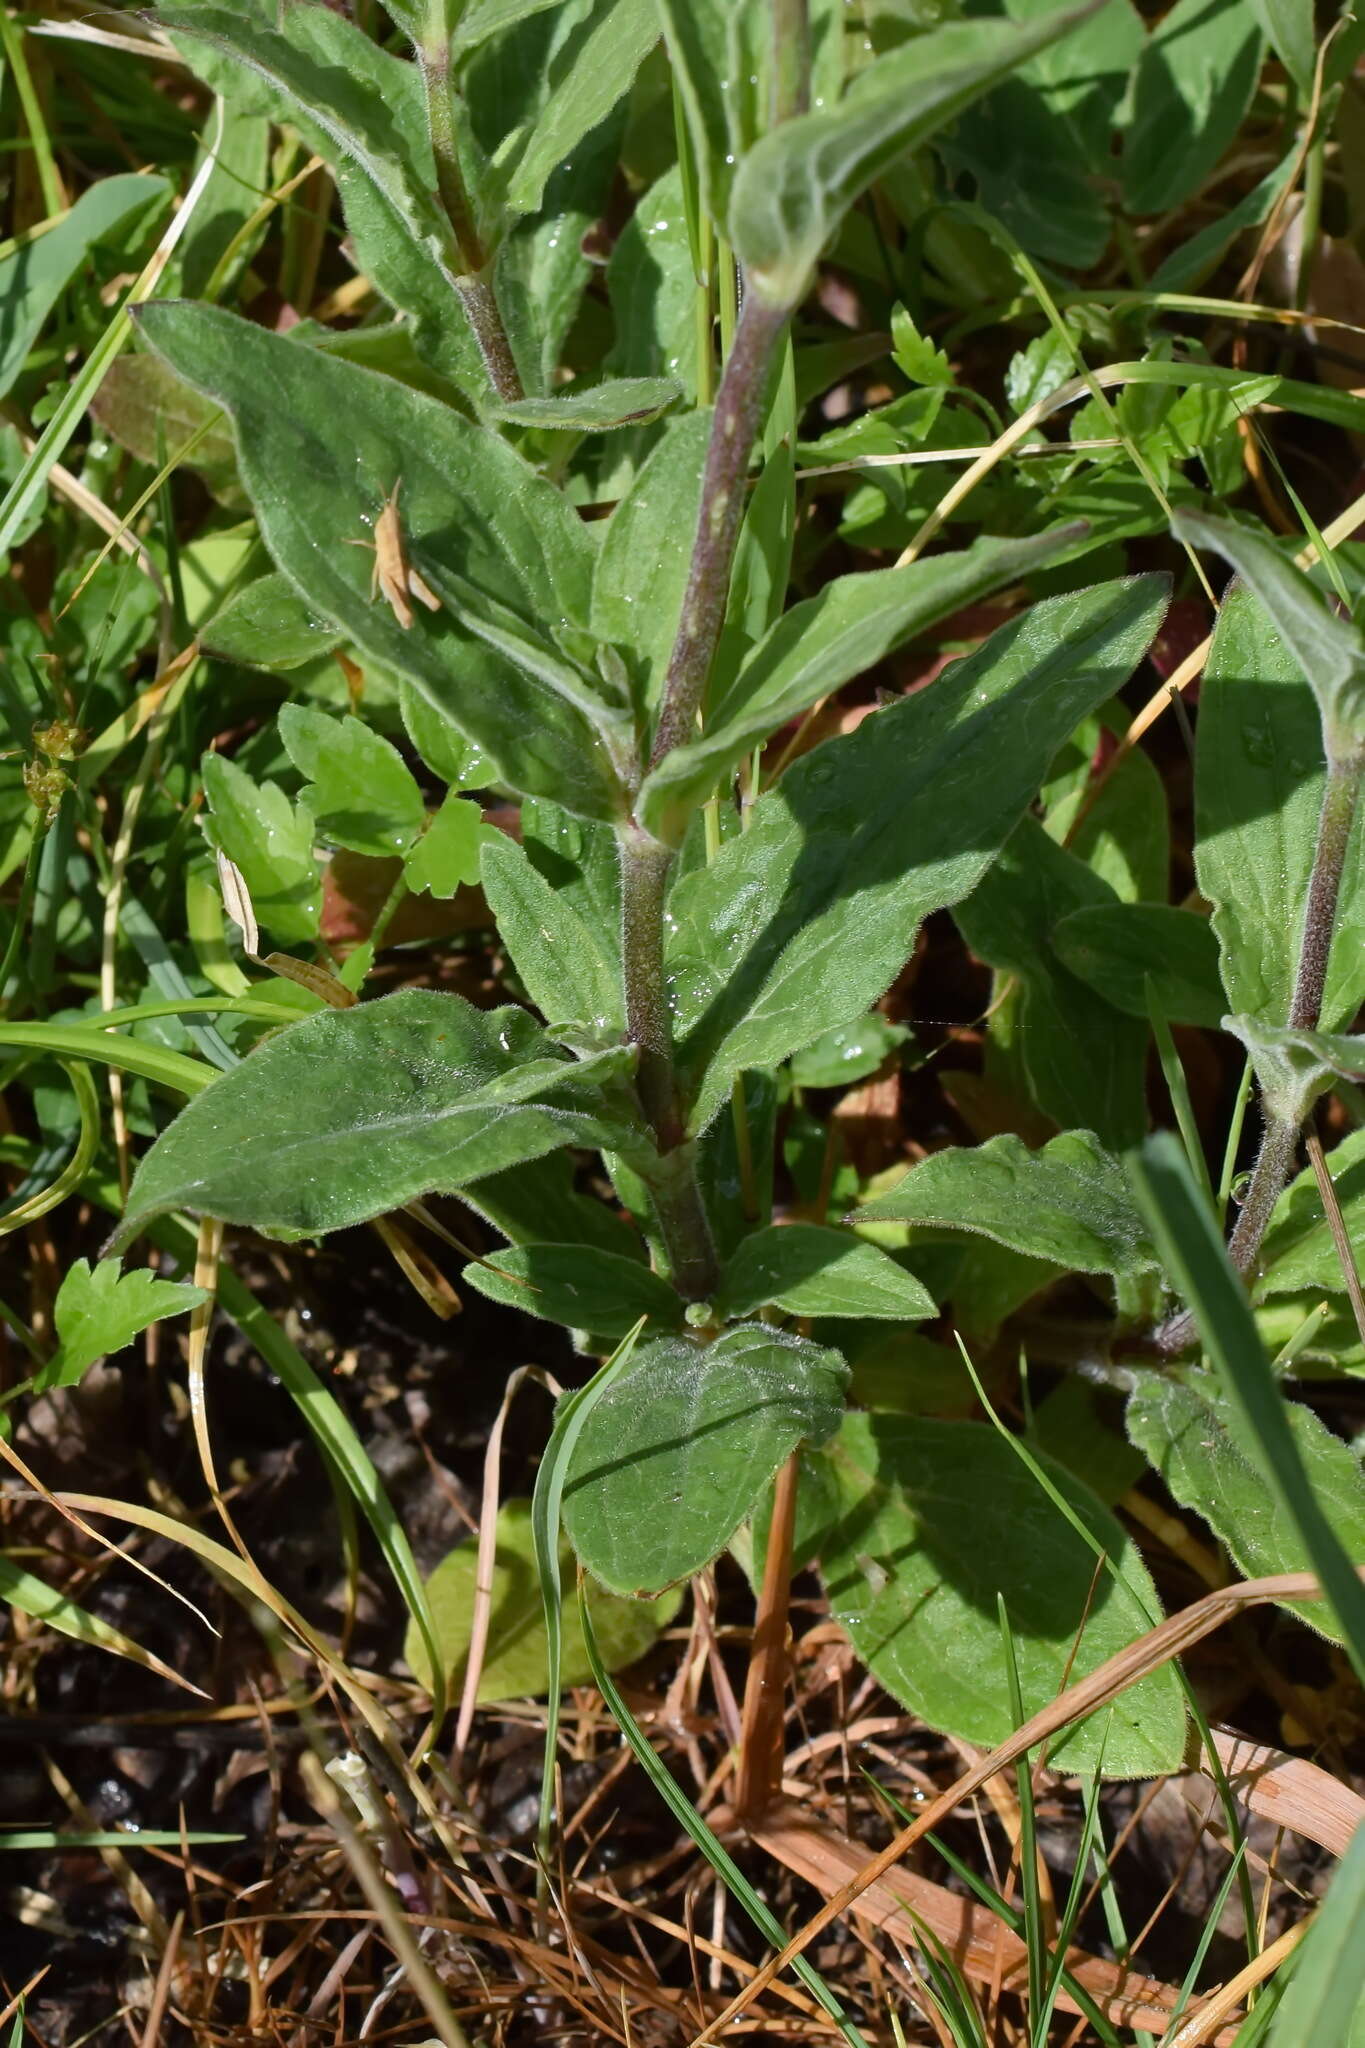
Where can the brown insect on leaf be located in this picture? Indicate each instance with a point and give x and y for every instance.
(394, 576)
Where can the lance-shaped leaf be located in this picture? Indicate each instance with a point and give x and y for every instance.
(809, 1270)
(1294, 1067)
(1122, 949)
(818, 646)
(719, 52)
(1194, 1436)
(571, 974)
(641, 574)
(579, 1285)
(794, 187)
(1069, 1203)
(34, 275)
(323, 444)
(594, 68)
(678, 1451)
(1327, 648)
(356, 1112)
(935, 1522)
(1259, 780)
(618, 402)
(320, 72)
(801, 923)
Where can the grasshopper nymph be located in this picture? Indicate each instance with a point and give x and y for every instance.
(394, 575)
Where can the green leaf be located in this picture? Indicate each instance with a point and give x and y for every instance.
(1326, 647)
(1122, 831)
(271, 841)
(268, 625)
(619, 402)
(572, 975)
(1070, 1427)
(358, 790)
(1118, 948)
(678, 1451)
(1073, 1055)
(440, 743)
(1259, 777)
(1196, 1260)
(915, 354)
(652, 288)
(446, 856)
(939, 1519)
(579, 1285)
(811, 1271)
(637, 591)
(98, 1312)
(1192, 1433)
(1293, 1067)
(1193, 85)
(819, 645)
(594, 69)
(848, 1053)
(500, 545)
(1297, 1251)
(516, 1659)
(35, 274)
(793, 188)
(354, 1112)
(1068, 1203)
(719, 52)
(1290, 28)
(800, 924)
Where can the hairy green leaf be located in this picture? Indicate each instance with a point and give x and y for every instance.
(819, 645)
(1259, 776)
(937, 1520)
(1118, 949)
(637, 590)
(579, 1285)
(268, 625)
(1053, 1040)
(1068, 1203)
(793, 188)
(571, 974)
(678, 1451)
(1326, 647)
(1193, 1435)
(801, 923)
(809, 1270)
(619, 402)
(499, 545)
(354, 1112)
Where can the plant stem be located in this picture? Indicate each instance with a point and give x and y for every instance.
(1275, 1159)
(645, 864)
(760, 1742)
(1280, 1138)
(475, 283)
(739, 411)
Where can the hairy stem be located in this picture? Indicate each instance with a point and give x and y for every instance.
(1280, 1139)
(1275, 1160)
(474, 284)
(738, 415)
